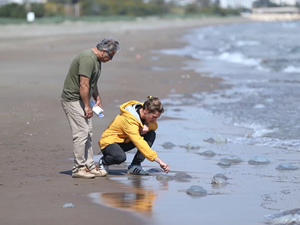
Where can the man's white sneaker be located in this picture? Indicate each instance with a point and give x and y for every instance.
(98, 172)
(83, 173)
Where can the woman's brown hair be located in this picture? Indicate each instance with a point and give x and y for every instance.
(153, 105)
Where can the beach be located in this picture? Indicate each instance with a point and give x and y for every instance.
(36, 143)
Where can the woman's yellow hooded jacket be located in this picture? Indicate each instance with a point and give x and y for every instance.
(126, 127)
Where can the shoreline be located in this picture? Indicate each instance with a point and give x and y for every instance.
(36, 140)
(83, 27)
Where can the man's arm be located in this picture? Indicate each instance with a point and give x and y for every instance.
(85, 95)
(97, 97)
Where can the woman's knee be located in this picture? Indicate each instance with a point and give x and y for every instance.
(120, 158)
(113, 154)
(150, 135)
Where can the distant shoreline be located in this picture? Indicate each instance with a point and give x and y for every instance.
(82, 27)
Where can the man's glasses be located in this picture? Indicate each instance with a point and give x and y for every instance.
(111, 57)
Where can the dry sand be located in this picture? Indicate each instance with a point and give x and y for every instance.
(35, 142)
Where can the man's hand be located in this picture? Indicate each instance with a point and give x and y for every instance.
(98, 103)
(88, 112)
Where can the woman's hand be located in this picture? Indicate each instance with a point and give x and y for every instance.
(163, 165)
(145, 129)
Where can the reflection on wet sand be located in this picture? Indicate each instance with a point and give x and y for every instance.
(136, 198)
(141, 201)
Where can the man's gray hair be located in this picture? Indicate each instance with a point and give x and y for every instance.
(110, 44)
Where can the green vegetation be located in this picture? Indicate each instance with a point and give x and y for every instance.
(94, 10)
(13, 11)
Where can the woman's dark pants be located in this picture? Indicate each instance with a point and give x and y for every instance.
(115, 153)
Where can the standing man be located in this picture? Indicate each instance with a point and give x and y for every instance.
(79, 86)
(134, 127)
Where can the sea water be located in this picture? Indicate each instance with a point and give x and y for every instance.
(262, 62)
(256, 116)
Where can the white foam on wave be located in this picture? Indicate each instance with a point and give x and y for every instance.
(172, 51)
(291, 69)
(263, 69)
(200, 36)
(205, 53)
(258, 130)
(258, 138)
(289, 144)
(239, 58)
(247, 43)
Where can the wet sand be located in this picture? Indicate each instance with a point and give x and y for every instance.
(35, 144)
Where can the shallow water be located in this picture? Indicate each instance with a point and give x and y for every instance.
(252, 192)
(257, 116)
(262, 62)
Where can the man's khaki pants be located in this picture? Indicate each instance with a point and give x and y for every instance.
(82, 133)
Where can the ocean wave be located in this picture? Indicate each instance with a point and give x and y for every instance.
(239, 58)
(291, 69)
(262, 71)
(289, 144)
(258, 130)
(247, 43)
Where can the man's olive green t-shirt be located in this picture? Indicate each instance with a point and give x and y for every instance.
(86, 64)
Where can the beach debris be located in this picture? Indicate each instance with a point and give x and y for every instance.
(164, 177)
(168, 104)
(181, 175)
(232, 159)
(138, 56)
(68, 205)
(285, 166)
(187, 101)
(216, 140)
(196, 190)
(258, 159)
(155, 170)
(178, 110)
(189, 146)
(218, 180)
(224, 162)
(168, 145)
(221, 175)
(285, 217)
(207, 153)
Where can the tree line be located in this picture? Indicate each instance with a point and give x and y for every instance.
(127, 8)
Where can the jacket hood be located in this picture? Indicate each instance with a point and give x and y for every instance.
(128, 110)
